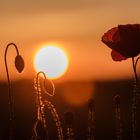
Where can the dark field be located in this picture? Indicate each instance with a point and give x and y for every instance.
(25, 110)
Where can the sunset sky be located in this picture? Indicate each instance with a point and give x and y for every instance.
(75, 25)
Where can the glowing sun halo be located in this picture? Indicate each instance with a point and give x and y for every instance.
(53, 61)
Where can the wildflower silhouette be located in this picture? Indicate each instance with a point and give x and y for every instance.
(118, 117)
(124, 41)
(40, 130)
(19, 64)
(91, 120)
(69, 122)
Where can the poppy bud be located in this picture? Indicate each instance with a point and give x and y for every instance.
(91, 103)
(117, 99)
(69, 118)
(19, 63)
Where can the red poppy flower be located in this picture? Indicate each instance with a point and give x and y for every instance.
(124, 41)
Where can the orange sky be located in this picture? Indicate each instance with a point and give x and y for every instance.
(77, 25)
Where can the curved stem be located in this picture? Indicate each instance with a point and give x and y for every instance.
(137, 62)
(44, 75)
(53, 87)
(37, 79)
(56, 119)
(9, 85)
(40, 103)
(134, 69)
(38, 93)
(134, 100)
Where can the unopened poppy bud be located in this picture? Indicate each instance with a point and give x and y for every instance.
(117, 99)
(90, 103)
(19, 63)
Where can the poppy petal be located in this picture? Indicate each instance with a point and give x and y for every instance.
(124, 40)
(108, 36)
(117, 56)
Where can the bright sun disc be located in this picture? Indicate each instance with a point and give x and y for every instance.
(53, 61)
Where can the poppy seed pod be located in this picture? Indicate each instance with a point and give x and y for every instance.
(117, 99)
(69, 118)
(19, 63)
(91, 103)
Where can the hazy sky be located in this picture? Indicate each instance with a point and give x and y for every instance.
(77, 25)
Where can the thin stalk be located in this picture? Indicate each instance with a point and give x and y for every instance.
(69, 122)
(56, 119)
(38, 90)
(91, 120)
(41, 104)
(137, 62)
(134, 121)
(9, 90)
(134, 69)
(118, 118)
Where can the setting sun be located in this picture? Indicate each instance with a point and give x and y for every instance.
(53, 61)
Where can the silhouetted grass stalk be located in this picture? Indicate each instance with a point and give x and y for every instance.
(40, 116)
(134, 99)
(70, 133)
(91, 120)
(45, 104)
(19, 63)
(119, 129)
(56, 118)
(69, 122)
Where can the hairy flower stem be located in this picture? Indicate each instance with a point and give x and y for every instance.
(44, 104)
(11, 136)
(69, 123)
(91, 120)
(134, 102)
(40, 103)
(135, 71)
(118, 118)
(56, 119)
(38, 93)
